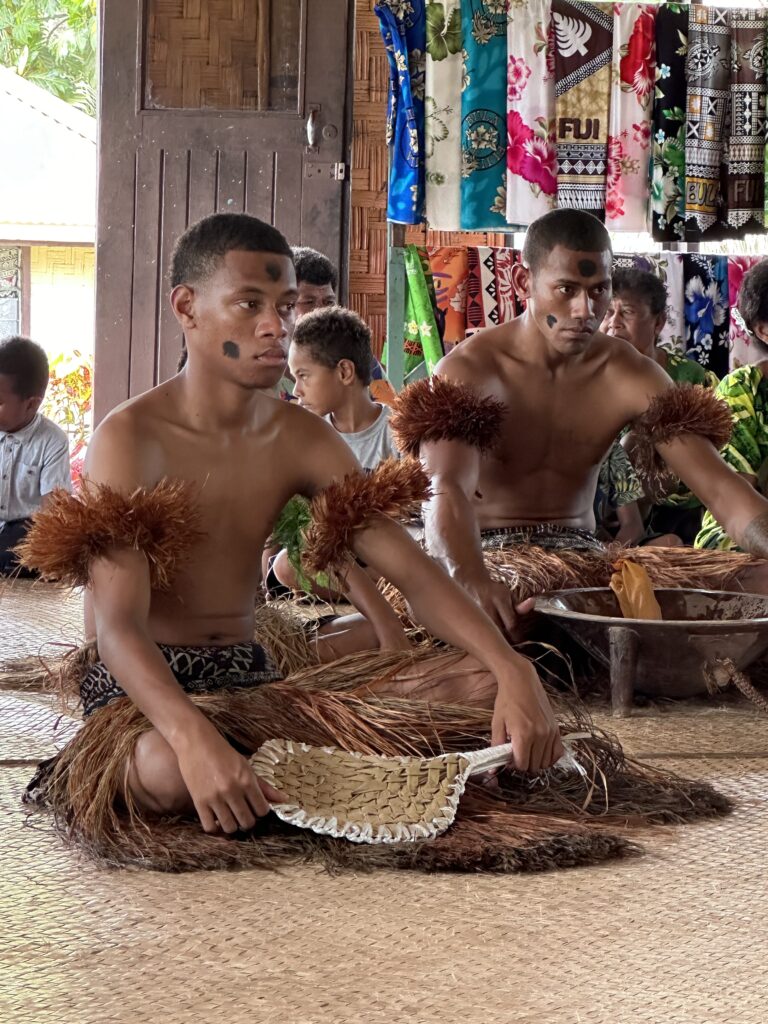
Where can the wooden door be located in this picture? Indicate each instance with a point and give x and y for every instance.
(208, 105)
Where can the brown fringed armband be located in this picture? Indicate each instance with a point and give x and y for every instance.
(441, 410)
(684, 409)
(394, 489)
(73, 530)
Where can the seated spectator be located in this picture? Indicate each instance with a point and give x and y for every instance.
(34, 452)
(746, 393)
(330, 359)
(637, 314)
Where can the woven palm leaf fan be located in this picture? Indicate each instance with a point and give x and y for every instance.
(367, 798)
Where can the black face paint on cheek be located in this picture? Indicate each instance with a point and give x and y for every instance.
(274, 273)
(587, 268)
(231, 350)
(551, 320)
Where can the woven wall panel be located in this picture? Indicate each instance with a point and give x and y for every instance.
(215, 54)
(368, 234)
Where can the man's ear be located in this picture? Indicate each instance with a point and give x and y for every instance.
(183, 305)
(521, 281)
(661, 321)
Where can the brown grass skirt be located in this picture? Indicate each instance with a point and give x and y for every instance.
(527, 823)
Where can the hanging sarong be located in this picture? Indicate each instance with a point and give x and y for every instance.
(629, 140)
(741, 344)
(668, 148)
(491, 298)
(708, 74)
(531, 143)
(404, 33)
(706, 311)
(449, 273)
(583, 48)
(746, 172)
(422, 338)
(483, 115)
(442, 115)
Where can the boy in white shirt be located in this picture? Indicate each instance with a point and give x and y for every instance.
(34, 452)
(331, 361)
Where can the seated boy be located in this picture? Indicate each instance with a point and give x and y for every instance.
(331, 360)
(34, 452)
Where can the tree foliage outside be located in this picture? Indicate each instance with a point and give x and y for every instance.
(54, 44)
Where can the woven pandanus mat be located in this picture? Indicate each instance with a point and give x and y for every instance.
(40, 622)
(675, 937)
(32, 727)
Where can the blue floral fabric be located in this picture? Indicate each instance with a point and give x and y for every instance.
(484, 115)
(707, 321)
(404, 31)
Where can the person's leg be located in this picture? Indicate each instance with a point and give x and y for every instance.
(154, 780)
(344, 634)
(450, 678)
(667, 540)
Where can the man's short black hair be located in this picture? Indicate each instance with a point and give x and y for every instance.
(332, 334)
(314, 268)
(753, 301)
(576, 230)
(26, 363)
(203, 245)
(643, 285)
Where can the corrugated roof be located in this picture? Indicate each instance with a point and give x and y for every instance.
(48, 166)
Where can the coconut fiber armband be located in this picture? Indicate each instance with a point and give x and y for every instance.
(395, 489)
(684, 409)
(73, 530)
(441, 410)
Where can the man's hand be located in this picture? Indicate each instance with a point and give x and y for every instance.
(522, 715)
(495, 598)
(223, 787)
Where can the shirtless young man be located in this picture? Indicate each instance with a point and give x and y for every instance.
(566, 391)
(212, 425)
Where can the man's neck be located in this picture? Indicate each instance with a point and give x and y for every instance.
(358, 412)
(211, 405)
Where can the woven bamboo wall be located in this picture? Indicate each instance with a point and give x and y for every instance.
(368, 234)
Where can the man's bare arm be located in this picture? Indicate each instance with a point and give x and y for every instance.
(523, 711)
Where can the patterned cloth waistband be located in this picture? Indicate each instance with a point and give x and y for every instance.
(543, 535)
(197, 669)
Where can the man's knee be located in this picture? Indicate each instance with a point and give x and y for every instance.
(154, 779)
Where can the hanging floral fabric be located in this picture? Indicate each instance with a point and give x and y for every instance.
(740, 341)
(708, 72)
(668, 125)
(632, 85)
(583, 49)
(531, 144)
(706, 311)
(746, 171)
(491, 298)
(442, 115)
(483, 115)
(422, 338)
(403, 30)
(449, 265)
(668, 267)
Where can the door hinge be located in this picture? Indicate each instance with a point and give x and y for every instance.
(336, 172)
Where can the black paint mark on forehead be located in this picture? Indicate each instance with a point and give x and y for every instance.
(274, 271)
(231, 349)
(587, 268)
(551, 320)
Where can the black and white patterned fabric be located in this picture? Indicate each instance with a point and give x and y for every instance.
(197, 670)
(542, 535)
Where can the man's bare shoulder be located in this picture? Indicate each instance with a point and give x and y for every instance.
(475, 361)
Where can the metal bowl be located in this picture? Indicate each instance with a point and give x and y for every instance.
(672, 657)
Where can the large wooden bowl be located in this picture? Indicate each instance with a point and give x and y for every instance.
(700, 630)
